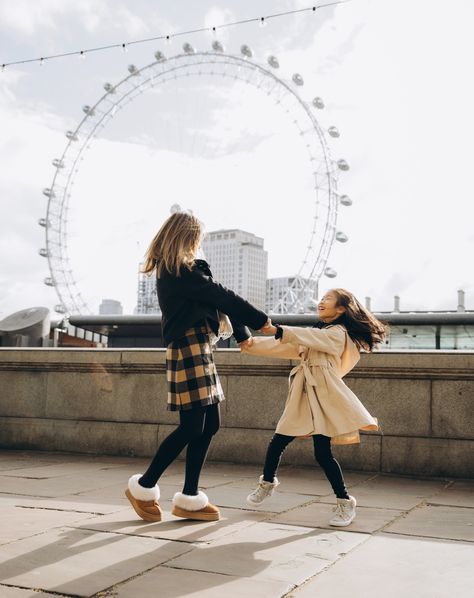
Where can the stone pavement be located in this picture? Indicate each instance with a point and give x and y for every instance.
(67, 530)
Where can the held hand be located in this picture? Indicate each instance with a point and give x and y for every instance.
(246, 344)
(268, 328)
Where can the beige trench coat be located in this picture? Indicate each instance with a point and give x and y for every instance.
(318, 400)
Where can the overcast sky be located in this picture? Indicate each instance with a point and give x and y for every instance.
(395, 77)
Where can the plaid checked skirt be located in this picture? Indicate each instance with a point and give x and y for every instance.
(191, 372)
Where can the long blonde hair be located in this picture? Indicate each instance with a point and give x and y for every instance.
(174, 245)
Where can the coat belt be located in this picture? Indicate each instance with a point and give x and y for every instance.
(305, 366)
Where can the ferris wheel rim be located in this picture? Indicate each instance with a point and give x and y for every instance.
(75, 300)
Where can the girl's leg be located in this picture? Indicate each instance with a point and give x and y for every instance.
(332, 469)
(197, 449)
(190, 426)
(275, 450)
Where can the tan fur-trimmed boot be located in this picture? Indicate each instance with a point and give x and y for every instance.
(194, 507)
(144, 500)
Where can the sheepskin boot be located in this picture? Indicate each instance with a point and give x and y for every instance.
(144, 500)
(194, 507)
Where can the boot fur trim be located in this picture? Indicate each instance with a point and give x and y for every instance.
(140, 492)
(190, 503)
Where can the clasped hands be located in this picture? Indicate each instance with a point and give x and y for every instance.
(267, 328)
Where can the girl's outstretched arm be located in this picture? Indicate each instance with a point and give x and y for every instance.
(329, 340)
(269, 347)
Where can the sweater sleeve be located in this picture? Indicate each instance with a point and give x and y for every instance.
(241, 332)
(328, 340)
(197, 286)
(269, 347)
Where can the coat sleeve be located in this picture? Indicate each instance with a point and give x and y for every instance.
(198, 286)
(269, 347)
(328, 340)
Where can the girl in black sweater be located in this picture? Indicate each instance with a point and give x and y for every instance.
(196, 312)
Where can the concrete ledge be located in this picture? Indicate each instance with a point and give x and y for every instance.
(114, 402)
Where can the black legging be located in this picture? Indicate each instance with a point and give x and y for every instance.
(196, 429)
(322, 454)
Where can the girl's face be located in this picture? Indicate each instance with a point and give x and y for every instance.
(328, 310)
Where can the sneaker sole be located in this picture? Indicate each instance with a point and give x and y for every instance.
(142, 514)
(345, 524)
(196, 515)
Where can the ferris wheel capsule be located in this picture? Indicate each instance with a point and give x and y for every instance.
(71, 135)
(188, 48)
(60, 309)
(109, 88)
(88, 110)
(318, 103)
(43, 222)
(160, 57)
(341, 237)
(132, 69)
(43, 252)
(273, 62)
(57, 163)
(334, 132)
(246, 51)
(330, 273)
(342, 165)
(49, 282)
(49, 192)
(217, 46)
(345, 200)
(297, 79)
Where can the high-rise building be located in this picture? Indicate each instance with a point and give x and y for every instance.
(110, 307)
(238, 261)
(291, 294)
(147, 298)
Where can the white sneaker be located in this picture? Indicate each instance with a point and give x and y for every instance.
(344, 512)
(262, 491)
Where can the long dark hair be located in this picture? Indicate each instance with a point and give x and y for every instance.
(363, 327)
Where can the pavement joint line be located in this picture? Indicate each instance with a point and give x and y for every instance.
(92, 513)
(107, 591)
(118, 533)
(39, 590)
(454, 540)
(449, 506)
(202, 570)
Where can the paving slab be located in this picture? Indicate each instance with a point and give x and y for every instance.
(8, 592)
(53, 470)
(394, 566)
(368, 519)
(52, 487)
(81, 562)
(233, 495)
(21, 522)
(176, 583)
(271, 551)
(453, 523)
(74, 503)
(174, 528)
(398, 493)
(459, 494)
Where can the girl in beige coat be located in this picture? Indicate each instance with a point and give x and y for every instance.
(319, 404)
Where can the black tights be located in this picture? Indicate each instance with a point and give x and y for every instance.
(196, 429)
(322, 454)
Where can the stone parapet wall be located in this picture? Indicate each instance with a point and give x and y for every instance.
(113, 401)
